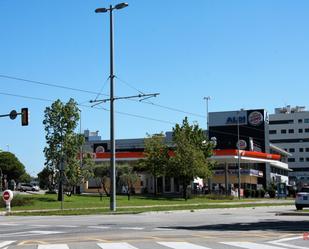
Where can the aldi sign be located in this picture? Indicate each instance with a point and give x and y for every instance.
(224, 126)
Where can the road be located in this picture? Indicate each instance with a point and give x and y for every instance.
(250, 228)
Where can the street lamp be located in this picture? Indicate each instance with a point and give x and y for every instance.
(207, 114)
(112, 121)
(238, 154)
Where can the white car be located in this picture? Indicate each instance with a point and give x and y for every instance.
(302, 198)
(28, 187)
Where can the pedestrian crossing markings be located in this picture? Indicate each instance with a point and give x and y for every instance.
(172, 245)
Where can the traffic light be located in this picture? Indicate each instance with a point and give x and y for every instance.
(24, 117)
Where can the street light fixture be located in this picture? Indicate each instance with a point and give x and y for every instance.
(112, 99)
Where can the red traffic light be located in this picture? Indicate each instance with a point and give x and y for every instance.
(24, 117)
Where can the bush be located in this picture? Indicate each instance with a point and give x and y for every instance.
(247, 193)
(19, 200)
(272, 193)
(260, 193)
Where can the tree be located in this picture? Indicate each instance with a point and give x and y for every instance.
(128, 178)
(63, 144)
(77, 173)
(101, 174)
(192, 152)
(26, 178)
(11, 166)
(156, 157)
(46, 179)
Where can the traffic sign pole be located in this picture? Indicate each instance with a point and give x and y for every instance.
(7, 196)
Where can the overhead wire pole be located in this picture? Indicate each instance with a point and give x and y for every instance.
(112, 99)
(207, 125)
(238, 155)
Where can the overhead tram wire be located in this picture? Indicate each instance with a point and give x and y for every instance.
(48, 84)
(89, 107)
(98, 93)
(158, 105)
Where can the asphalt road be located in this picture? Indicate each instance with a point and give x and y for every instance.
(250, 228)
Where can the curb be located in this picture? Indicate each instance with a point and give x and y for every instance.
(293, 214)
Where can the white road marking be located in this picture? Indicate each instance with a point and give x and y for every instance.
(132, 228)
(116, 246)
(279, 242)
(66, 226)
(54, 246)
(163, 229)
(5, 243)
(98, 227)
(39, 225)
(27, 233)
(250, 245)
(182, 245)
(10, 224)
(44, 232)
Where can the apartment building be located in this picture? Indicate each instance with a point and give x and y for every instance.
(289, 130)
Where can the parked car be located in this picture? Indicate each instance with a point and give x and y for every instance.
(28, 187)
(302, 198)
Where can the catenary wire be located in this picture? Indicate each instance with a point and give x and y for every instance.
(96, 93)
(122, 113)
(87, 106)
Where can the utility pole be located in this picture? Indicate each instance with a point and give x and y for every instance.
(112, 100)
(238, 155)
(208, 137)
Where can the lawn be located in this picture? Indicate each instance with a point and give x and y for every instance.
(91, 204)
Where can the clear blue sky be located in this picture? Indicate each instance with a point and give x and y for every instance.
(244, 54)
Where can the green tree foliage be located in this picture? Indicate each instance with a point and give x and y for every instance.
(60, 121)
(26, 178)
(156, 157)
(128, 178)
(101, 174)
(46, 179)
(11, 166)
(192, 151)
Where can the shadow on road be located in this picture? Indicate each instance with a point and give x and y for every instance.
(281, 226)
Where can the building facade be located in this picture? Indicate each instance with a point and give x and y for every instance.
(289, 130)
(260, 162)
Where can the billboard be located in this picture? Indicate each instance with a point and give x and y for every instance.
(249, 125)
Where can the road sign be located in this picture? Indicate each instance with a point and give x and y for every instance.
(7, 195)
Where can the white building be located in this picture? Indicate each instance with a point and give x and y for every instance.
(289, 129)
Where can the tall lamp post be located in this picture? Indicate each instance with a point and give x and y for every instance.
(238, 154)
(112, 121)
(207, 125)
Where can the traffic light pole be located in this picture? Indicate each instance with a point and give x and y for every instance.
(24, 116)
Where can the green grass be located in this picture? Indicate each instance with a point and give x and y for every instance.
(86, 204)
(40, 202)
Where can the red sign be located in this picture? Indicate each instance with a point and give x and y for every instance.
(6, 195)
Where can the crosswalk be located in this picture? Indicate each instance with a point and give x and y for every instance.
(157, 245)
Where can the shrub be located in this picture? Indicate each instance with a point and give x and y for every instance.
(260, 193)
(19, 200)
(247, 193)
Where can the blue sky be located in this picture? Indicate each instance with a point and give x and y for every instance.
(244, 54)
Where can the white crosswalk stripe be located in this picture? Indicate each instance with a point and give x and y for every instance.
(6, 243)
(250, 245)
(173, 245)
(54, 246)
(116, 246)
(182, 245)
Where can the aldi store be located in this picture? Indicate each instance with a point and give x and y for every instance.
(242, 141)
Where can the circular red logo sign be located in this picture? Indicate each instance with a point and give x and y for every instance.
(255, 118)
(6, 195)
